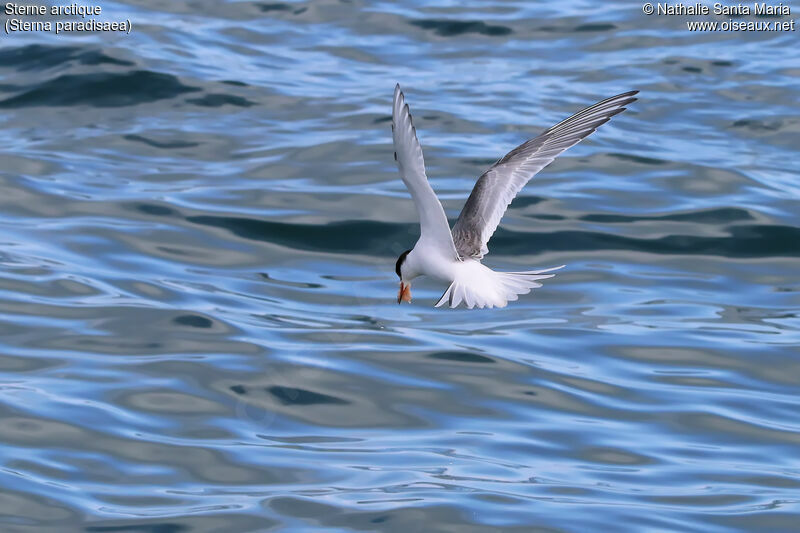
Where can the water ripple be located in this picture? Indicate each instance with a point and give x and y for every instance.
(197, 297)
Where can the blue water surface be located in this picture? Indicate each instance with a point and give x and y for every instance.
(198, 227)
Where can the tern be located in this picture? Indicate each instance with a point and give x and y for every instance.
(455, 256)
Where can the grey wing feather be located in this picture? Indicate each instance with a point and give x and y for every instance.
(498, 186)
(434, 227)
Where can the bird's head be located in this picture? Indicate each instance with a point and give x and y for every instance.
(404, 294)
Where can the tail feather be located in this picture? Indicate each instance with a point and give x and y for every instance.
(479, 286)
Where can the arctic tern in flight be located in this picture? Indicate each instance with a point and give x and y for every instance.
(455, 256)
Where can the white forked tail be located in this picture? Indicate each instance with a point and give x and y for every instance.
(479, 286)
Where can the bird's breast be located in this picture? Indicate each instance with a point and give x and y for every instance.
(440, 268)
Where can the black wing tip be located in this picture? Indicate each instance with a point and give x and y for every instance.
(608, 116)
(629, 97)
(622, 105)
(624, 95)
(611, 106)
(615, 112)
(398, 95)
(620, 99)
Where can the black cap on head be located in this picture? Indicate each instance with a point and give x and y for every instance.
(400, 262)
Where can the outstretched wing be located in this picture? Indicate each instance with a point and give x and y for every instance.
(499, 185)
(408, 154)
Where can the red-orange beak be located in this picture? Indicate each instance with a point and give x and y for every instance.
(404, 294)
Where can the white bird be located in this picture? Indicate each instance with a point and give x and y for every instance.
(455, 257)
